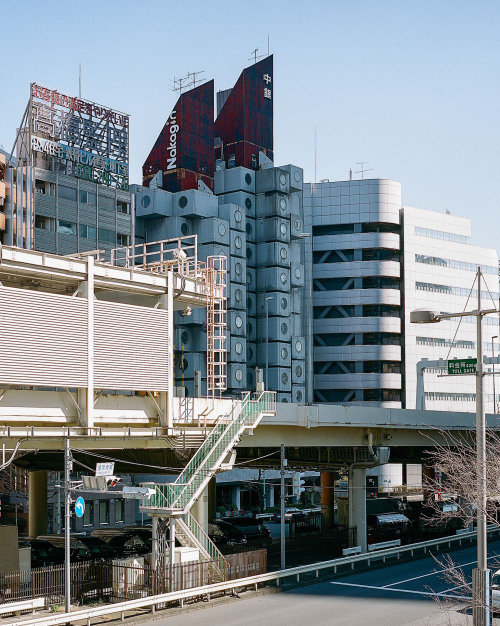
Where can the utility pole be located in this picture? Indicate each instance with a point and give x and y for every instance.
(282, 516)
(68, 465)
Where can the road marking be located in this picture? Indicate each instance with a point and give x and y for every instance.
(441, 571)
(418, 593)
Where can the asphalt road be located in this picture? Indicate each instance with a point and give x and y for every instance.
(398, 595)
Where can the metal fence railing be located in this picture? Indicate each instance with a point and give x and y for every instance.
(110, 581)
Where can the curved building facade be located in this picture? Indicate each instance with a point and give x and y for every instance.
(357, 332)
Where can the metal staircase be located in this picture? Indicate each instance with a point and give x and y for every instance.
(189, 533)
(178, 497)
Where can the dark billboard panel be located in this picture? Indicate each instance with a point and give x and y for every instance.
(245, 122)
(184, 148)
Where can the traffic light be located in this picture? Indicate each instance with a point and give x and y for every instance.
(297, 484)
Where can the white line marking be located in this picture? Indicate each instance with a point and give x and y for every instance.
(441, 571)
(418, 593)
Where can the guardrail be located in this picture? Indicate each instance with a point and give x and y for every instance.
(23, 605)
(253, 581)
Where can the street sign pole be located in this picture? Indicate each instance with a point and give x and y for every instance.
(67, 517)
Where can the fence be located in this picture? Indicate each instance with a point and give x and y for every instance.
(115, 582)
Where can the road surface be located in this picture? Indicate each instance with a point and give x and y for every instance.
(397, 595)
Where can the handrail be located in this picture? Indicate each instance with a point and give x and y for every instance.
(203, 538)
(206, 590)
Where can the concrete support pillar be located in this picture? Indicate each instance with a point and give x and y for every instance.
(212, 500)
(37, 500)
(327, 480)
(357, 504)
(235, 496)
(269, 495)
(199, 510)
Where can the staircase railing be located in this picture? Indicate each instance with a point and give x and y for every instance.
(204, 540)
(180, 494)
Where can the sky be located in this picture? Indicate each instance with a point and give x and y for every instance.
(409, 88)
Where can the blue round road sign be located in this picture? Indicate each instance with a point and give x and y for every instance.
(80, 507)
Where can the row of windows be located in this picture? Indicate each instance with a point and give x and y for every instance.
(348, 367)
(349, 310)
(441, 342)
(368, 282)
(448, 395)
(345, 256)
(347, 395)
(349, 339)
(105, 203)
(456, 291)
(439, 234)
(89, 517)
(459, 265)
(349, 229)
(84, 231)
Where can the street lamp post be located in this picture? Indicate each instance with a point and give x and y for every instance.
(493, 355)
(481, 575)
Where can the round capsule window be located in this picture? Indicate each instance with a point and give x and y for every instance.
(238, 269)
(249, 253)
(248, 203)
(284, 353)
(284, 328)
(298, 272)
(238, 347)
(238, 320)
(238, 375)
(284, 378)
(238, 242)
(284, 303)
(222, 230)
(283, 229)
(248, 179)
(249, 302)
(282, 179)
(238, 216)
(238, 295)
(283, 253)
(184, 229)
(182, 202)
(283, 204)
(146, 201)
(298, 346)
(298, 371)
(248, 228)
(249, 277)
(285, 401)
(297, 176)
(298, 396)
(184, 337)
(249, 328)
(283, 278)
(297, 224)
(184, 364)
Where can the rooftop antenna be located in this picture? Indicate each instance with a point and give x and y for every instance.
(179, 84)
(193, 75)
(80, 80)
(363, 168)
(315, 179)
(256, 56)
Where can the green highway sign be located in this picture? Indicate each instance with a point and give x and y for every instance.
(462, 366)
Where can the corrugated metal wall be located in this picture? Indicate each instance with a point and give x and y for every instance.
(43, 342)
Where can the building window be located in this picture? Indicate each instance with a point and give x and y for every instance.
(87, 232)
(103, 512)
(66, 193)
(45, 223)
(106, 236)
(122, 207)
(88, 515)
(106, 203)
(119, 511)
(87, 197)
(122, 240)
(231, 160)
(66, 228)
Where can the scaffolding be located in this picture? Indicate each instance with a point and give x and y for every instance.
(216, 325)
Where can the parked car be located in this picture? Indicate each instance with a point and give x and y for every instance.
(100, 549)
(129, 542)
(255, 531)
(289, 514)
(224, 534)
(82, 548)
(44, 553)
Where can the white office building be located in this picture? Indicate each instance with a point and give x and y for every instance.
(373, 263)
(440, 266)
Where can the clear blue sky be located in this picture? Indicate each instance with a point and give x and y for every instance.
(410, 86)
